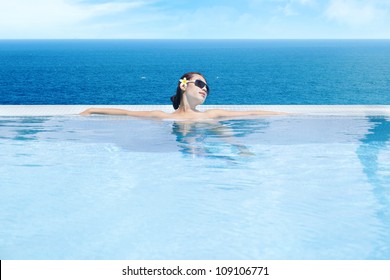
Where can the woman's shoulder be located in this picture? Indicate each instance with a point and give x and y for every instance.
(159, 114)
(216, 113)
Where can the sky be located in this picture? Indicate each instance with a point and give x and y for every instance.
(212, 19)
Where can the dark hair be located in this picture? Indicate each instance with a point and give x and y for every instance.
(176, 99)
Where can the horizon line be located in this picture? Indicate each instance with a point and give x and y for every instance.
(195, 39)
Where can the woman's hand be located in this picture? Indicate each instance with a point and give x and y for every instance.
(86, 112)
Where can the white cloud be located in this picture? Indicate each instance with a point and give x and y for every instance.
(288, 9)
(216, 22)
(43, 16)
(306, 2)
(291, 7)
(355, 13)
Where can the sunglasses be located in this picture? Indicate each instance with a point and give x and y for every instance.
(201, 84)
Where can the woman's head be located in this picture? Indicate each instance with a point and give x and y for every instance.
(194, 85)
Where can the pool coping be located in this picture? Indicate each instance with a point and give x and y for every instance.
(337, 110)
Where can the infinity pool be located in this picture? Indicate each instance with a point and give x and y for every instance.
(286, 187)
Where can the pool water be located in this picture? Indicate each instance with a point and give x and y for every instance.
(286, 187)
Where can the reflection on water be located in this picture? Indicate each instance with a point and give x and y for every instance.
(23, 128)
(373, 143)
(216, 139)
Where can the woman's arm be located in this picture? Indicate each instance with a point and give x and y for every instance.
(112, 111)
(219, 113)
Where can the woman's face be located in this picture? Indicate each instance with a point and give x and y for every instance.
(195, 94)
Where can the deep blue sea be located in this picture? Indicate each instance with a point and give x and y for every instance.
(238, 71)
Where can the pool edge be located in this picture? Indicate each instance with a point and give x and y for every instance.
(340, 110)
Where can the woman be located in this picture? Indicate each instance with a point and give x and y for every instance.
(192, 90)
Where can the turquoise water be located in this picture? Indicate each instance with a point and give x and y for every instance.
(238, 71)
(297, 187)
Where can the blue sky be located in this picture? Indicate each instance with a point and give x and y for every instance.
(218, 19)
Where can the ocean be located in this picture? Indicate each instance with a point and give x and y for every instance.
(243, 72)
